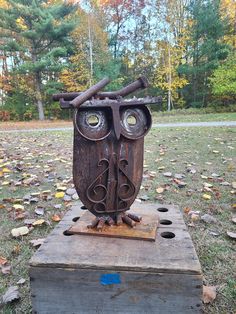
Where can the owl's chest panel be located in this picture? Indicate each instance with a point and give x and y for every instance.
(107, 173)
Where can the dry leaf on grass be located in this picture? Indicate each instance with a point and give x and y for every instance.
(56, 218)
(17, 232)
(5, 269)
(209, 294)
(231, 234)
(59, 194)
(160, 190)
(21, 281)
(206, 197)
(18, 207)
(3, 260)
(11, 294)
(38, 222)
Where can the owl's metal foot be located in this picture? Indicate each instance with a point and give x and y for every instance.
(99, 222)
(129, 219)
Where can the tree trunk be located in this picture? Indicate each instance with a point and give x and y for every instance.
(90, 52)
(39, 101)
(169, 79)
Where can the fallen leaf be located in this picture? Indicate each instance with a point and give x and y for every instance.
(35, 194)
(209, 294)
(215, 151)
(6, 170)
(21, 281)
(231, 234)
(20, 215)
(234, 220)
(5, 269)
(234, 185)
(3, 260)
(194, 217)
(206, 196)
(187, 210)
(204, 177)
(207, 185)
(167, 174)
(225, 183)
(18, 207)
(208, 218)
(11, 294)
(39, 211)
(59, 194)
(160, 190)
(56, 218)
(17, 232)
(37, 242)
(61, 188)
(38, 222)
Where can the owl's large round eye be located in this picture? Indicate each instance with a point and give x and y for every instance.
(92, 124)
(135, 122)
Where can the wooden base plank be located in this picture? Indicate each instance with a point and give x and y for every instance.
(163, 276)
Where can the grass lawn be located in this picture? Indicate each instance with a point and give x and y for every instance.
(159, 117)
(204, 157)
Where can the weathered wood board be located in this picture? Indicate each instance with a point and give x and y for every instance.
(164, 276)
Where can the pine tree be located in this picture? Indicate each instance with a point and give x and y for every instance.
(40, 33)
(205, 50)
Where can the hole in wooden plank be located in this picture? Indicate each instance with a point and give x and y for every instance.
(67, 233)
(168, 235)
(83, 207)
(162, 209)
(165, 222)
(75, 219)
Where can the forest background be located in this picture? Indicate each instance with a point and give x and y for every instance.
(187, 49)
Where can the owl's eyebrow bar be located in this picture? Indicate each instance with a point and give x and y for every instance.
(94, 98)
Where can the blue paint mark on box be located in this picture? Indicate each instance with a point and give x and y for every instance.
(110, 279)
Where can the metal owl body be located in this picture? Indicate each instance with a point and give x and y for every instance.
(108, 149)
(107, 170)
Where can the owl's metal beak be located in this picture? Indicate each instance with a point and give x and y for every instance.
(116, 121)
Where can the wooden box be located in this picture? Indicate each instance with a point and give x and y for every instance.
(91, 274)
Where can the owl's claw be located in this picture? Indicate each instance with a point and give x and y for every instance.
(129, 219)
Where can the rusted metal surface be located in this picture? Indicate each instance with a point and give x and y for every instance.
(146, 230)
(89, 93)
(108, 151)
(141, 82)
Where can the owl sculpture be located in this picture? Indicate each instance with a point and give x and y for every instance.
(108, 150)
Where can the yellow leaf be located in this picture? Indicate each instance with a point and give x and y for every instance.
(6, 170)
(5, 183)
(38, 222)
(59, 194)
(206, 196)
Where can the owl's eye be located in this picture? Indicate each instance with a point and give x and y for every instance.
(135, 122)
(93, 124)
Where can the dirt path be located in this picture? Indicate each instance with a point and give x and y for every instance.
(32, 126)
